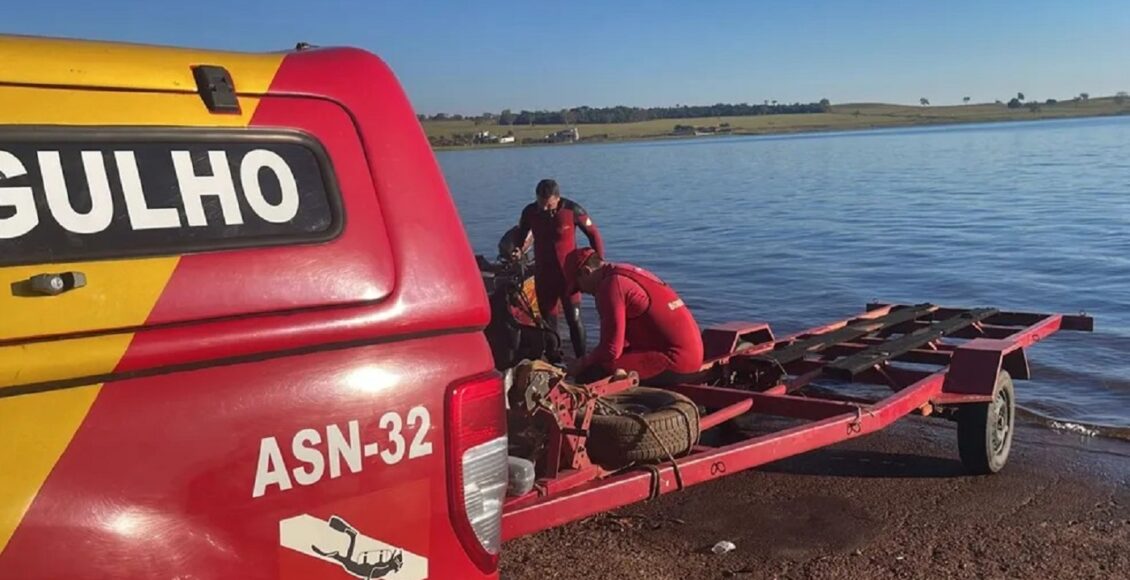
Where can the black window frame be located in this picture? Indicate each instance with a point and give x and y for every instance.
(106, 135)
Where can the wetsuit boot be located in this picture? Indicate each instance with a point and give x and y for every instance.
(576, 329)
(553, 351)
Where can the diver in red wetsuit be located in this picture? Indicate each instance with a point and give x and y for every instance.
(553, 221)
(644, 326)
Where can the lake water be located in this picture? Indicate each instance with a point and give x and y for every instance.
(801, 230)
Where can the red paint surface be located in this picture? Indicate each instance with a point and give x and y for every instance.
(159, 479)
(157, 482)
(355, 267)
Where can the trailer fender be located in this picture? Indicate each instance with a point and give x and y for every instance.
(977, 363)
(722, 340)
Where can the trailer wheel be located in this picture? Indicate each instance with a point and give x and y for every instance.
(641, 425)
(984, 430)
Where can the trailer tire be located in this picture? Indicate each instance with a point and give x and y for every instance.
(651, 424)
(984, 430)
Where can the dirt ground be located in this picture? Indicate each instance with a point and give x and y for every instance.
(895, 504)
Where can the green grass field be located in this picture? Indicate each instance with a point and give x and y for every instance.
(842, 117)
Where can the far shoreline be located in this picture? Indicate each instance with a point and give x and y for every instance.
(843, 119)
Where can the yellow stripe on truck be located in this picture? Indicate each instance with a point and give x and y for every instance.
(56, 107)
(43, 426)
(41, 83)
(106, 302)
(83, 63)
(117, 294)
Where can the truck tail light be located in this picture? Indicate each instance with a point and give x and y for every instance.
(476, 465)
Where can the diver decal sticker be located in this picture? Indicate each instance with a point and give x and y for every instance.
(340, 543)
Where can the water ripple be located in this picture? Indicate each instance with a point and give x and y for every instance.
(802, 228)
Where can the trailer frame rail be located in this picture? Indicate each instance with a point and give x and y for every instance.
(748, 372)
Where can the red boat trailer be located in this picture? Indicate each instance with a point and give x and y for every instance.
(944, 362)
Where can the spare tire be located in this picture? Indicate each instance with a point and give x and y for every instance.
(641, 425)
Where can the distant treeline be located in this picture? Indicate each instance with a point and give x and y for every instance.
(591, 115)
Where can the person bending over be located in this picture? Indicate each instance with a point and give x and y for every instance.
(644, 325)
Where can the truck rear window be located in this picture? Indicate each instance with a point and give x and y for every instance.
(73, 194)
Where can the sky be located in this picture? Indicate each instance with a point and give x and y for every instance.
(472, 57)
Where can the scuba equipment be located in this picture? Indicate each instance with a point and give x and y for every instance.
(517, 330)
